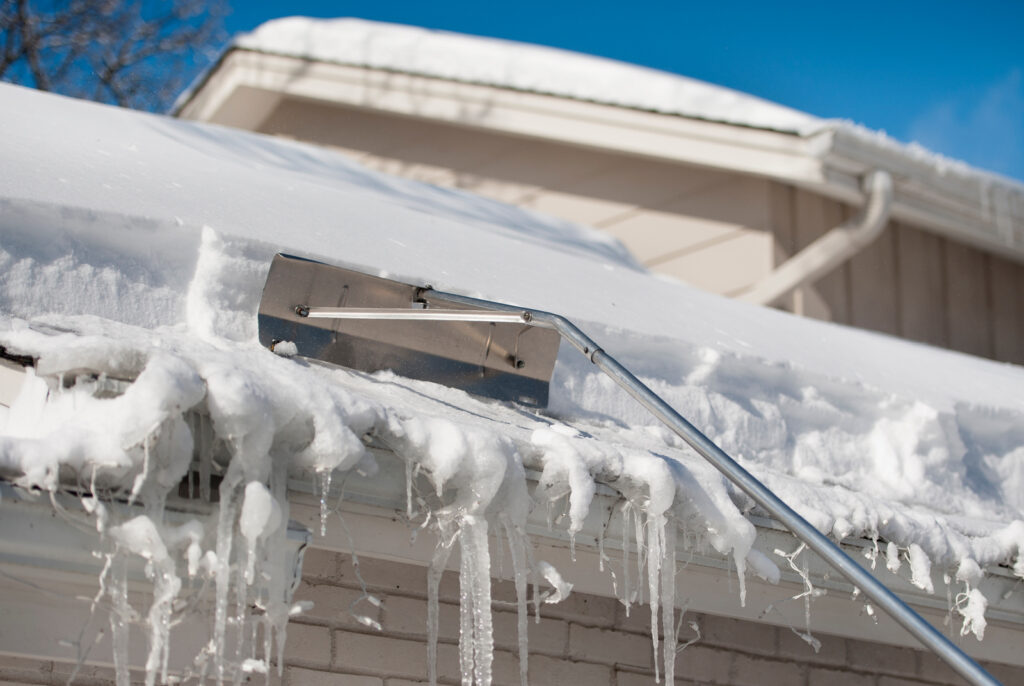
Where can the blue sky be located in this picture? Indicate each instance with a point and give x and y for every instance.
(948, 75)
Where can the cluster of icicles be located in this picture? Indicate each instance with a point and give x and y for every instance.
(253, 418)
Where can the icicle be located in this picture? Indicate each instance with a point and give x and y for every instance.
(408, 489)
(668, 603)
(466, 596)
(229, 494)
(325, 491)
(205, 458)
(476, 637)
(625, 556)
(638, 525)
(280, 589)
(655, 533)
(241, 607)
(483, 627)
(141, 477)
(603, 559)
(434, 572)
(166, 586)
(120, 618)
(517, 551)
(808, 594)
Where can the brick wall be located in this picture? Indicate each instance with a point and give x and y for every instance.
(584, 640)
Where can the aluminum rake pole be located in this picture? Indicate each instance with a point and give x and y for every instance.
(828, 550)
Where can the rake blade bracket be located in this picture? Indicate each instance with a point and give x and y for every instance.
(368, 323)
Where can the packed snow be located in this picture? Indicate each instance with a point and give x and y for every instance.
(133, 252)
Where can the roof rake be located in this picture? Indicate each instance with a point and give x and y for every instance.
(368, 323)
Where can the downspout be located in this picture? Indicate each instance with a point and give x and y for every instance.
(831, 250)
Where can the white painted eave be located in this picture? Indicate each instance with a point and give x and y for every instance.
(956, 201)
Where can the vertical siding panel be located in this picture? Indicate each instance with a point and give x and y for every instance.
(781, 201)
(834, 287)
(969, 311)
(873, 274)
(814, 216)
(782, 220)
(1007, 281)
(921, 285)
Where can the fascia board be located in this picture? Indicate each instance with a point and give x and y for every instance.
(538, 116)
(373, 510)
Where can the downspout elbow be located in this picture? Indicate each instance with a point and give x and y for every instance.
(832, 249)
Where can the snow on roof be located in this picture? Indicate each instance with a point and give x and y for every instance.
(137, 245)
(519, 66)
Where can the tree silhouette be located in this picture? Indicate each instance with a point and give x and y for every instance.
(133, 53)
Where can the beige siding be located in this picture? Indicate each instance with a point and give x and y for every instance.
(873, 286)
(909, 282)
(708, 228)
(969, 318)
(1007, 293)
(829, 299)
(922, 285)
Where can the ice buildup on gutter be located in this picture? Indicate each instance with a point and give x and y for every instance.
(269, 416)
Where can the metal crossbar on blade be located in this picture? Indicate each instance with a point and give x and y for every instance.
(294, 285)
(411, 315)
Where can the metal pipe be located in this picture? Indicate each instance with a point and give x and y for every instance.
(411, 315)
(828, 550)
(830, 250)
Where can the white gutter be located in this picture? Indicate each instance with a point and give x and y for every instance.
(829, 251)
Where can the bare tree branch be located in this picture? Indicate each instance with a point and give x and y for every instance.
(134, 53)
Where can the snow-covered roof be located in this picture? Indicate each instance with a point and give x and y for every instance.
(138, 245)
(520, 66)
